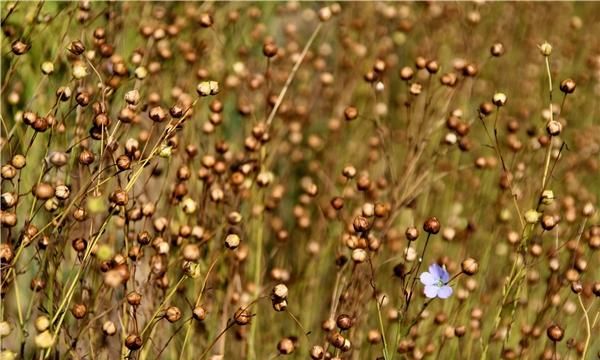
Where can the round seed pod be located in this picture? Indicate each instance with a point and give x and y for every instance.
(18, 161)
(119, 197)
(269, 49)
(555, 333)
(344, 322)
(469, 266)
(134, 298)
(568, 86)
(406, 73)
(242, 316)
(499, 99)
(8, 172)
(173, 314)
(86, 157)
(79, 311)
(43, 191)
(361, 224)
(133, 342)
(497, 49)
(432, 225)
(432, 67)
(317, 352)
(411, 233)
(109, 328)
(285, 346)
(79, 244)
(553, 128)
(596, 288)
(350, 113)
(19, 47)
(199, 313)
(157, 114)
(280, 291)
(123, 162)
(232, 241)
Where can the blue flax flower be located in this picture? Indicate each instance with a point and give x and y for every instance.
(436, 282)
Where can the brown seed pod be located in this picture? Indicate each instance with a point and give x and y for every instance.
(173, 314)
(123, 162)
(79, 244)
(285, 346)
(411, 233)
(43, 191)
(432, 67)
(242, 316)
(568, 86)
(199, 313)
(270, 49)
(469, 266)
(432, 225)
(344, 322)
(406, 73)
(317, 352)
(134, 298)
(119, 197)
(79, 311)
(86, 157)
(361, 224)
(133, 342)
(497, 49)
(157, 114)
(350, 113)
(206, 20)
(555, 333)
(76, 47)
(19, 47)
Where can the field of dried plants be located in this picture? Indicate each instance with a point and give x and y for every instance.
(306, 180)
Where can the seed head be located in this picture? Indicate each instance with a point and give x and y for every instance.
(555, 333)
(469, 266)
(206, 88)
(432, 225)
(109, 328)
(499, 99)
(133, 342)
(568, 86)
(199, 313)
(232, 241)
(497, 49)
(553, 128)
(173, 314)
(285, 346)
(545, 48)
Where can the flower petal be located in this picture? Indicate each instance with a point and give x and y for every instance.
(431, 291)
(444, 292)
(427, 279)
(436, 270)
(445, 275)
